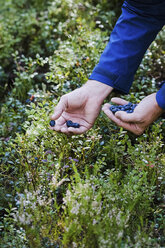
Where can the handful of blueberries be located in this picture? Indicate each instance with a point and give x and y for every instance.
(68, 123)
(72, 124)
(128, 108)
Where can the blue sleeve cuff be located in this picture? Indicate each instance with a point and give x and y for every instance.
(115, 81)
(160, 97)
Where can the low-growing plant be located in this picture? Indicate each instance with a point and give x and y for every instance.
(104, 188)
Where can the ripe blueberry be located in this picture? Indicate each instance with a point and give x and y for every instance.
(52, 123)
(28, 101)
(75, 125)
(69, 123)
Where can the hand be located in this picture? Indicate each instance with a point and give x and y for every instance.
(82, 106)
(146, 112)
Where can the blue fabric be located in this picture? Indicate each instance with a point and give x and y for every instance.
(134, 31)
(160, 97)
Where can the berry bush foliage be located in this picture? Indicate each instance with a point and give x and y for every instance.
(101, 189)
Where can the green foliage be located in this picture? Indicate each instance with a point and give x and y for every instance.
(81, 191)
(106, 209)
(36, 27)
(101, 189)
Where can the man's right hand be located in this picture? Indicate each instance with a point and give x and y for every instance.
(146, 112)
(82, 106)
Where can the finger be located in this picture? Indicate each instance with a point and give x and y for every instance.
(59, 123)
(119, 101)
(61, 106)
(106, 106)
(79, 130)
(56, 128)
(128, 117)
(72, 130)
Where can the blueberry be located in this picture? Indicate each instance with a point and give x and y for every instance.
(28, 101)
(52, 123)
(114, 109)
(129, 111)
(130, 104)
(111, 108)
(75, 125)
(69, 123)
(120, 107)
(117, 109)
(72, 124)
(126, 107)
(134, 106)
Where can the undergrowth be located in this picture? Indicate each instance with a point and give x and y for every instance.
(101, 189)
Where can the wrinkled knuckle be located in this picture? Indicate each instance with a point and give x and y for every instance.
(139, 132)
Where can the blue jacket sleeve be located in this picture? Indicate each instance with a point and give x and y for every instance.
(134, 31)
(160, 97)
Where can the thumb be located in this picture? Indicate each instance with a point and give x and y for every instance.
(127, 117)
(61, 106)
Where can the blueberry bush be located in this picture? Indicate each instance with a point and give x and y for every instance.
(101, 189)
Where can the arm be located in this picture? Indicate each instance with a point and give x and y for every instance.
(129, 40)
(134, 31)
